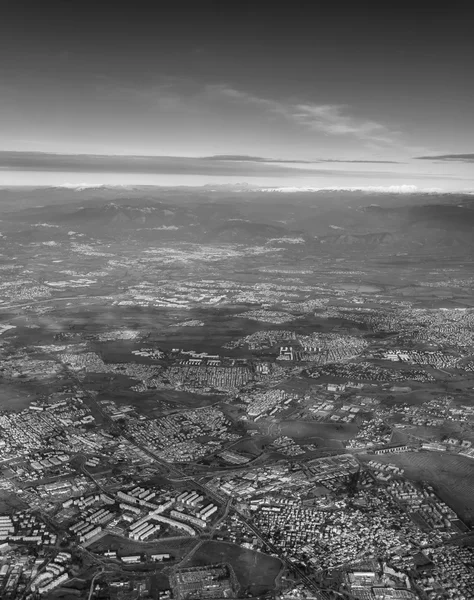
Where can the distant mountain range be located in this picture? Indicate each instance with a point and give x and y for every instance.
(244, 232)
(118, 215)
(324, 219)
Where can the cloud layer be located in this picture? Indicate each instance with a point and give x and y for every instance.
(465, 158)
(218, 165)
(156, 165)
(26, 168)
(261, 159)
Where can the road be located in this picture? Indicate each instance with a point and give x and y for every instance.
(98, 574)
(221, 519)
(309, 583)
(88, 474)
(172, 469)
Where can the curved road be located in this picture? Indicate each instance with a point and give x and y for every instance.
(172, 469)
(91, 590)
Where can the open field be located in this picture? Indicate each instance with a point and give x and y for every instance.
(10, 503)
(452, 476)
(14, 398)
(158, 402)
(449, 429)
(327, 435)
(300, 430)
(176, 547)
(253, 446)
(255, 571)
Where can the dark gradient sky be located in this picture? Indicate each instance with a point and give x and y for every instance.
(227, 80)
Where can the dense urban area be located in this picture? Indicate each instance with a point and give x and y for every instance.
(254, 413)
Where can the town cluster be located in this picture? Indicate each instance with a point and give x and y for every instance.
(293, 442)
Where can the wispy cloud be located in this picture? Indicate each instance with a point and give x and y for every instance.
(329, 119)
(465, 158)
(334, 120)
(176, 94)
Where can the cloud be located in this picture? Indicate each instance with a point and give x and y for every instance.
(186, 96)
(84, 186)
(155, 165)
(329, 119)
(332, 120)
(110, 166)
(378, 162)
(261, 159)
(257, 159)
(234, 94)
(384, 189)
(466, 158)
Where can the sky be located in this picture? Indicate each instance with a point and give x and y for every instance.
(191, 93)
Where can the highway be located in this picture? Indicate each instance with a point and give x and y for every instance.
(310, 584)
(320, 594)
